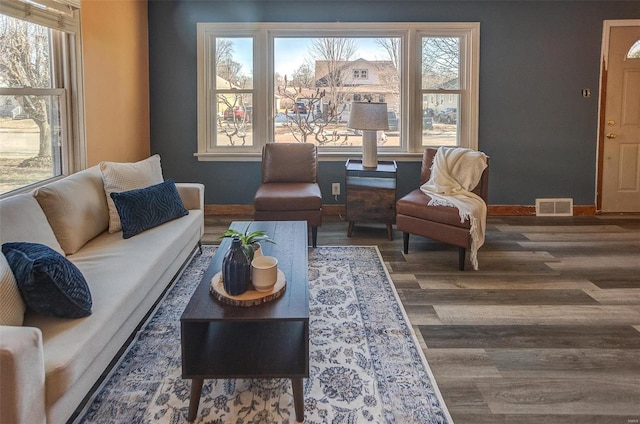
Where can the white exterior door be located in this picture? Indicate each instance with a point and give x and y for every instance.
(621, 124)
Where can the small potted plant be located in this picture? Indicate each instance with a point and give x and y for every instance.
(250, 240)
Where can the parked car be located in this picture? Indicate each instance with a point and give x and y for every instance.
(301, 108)
(392, 117)
(448, 115)
(427, 121)
(238, 113)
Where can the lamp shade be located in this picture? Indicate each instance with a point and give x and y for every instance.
(368, 116)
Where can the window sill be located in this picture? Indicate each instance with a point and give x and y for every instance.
(322, 157)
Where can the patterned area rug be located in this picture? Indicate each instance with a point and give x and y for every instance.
(365, 364)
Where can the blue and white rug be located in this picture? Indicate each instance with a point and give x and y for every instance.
(365, 364)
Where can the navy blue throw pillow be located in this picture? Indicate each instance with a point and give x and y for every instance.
(145, 208)
(49, 283)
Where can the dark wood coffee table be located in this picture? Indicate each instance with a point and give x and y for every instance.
(265, 341)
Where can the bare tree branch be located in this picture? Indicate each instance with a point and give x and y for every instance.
(332, 54)
(25, 61)
(304, 75)
(440, 60)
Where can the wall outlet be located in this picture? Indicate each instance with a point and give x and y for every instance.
(335, 189)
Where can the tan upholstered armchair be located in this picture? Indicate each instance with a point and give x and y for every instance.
(289, 189)
(442, 223)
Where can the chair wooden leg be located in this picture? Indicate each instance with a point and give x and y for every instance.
(405, 242)
(314, 236)
(461, 257)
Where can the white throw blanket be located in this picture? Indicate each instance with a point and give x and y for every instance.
(454, 173)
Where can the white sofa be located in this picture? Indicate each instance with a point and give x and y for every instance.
(48, 365)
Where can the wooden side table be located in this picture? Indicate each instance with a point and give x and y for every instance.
(371, 194)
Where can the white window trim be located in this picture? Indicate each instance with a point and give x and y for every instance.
(469, 80)
(207, 88)
(411, 140)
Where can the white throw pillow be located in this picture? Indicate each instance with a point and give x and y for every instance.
(11, 304)
(125, 176)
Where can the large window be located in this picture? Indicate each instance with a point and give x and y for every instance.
(264, 82)
(38, 117)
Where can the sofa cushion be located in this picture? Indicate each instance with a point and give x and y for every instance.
(125, 176)
(49, 283)
(149, 207)
(23, 220)
(122, 275)
(76, 208)
(11, 304)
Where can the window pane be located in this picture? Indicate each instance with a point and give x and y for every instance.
(316, 79)
(234, 63)
(634, 51)
(234, 81)
(31, 128)
(440, 123)
(234, 120)
(24, 54)
(440, 63)
(31, 146)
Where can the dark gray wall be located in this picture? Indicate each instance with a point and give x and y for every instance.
(535, 57)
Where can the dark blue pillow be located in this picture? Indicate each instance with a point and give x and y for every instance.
(149, 207)
(48, 282)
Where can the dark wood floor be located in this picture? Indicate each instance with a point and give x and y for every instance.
(547, 331)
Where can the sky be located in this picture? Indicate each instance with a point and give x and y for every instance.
(290, 53)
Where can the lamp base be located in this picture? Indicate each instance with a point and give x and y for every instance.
(369, 149)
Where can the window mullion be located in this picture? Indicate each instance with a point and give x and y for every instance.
(412, 59)
(262, 74)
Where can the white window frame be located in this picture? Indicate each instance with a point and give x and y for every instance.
(411, 96)
(64, 17)
(208, 90)
(469, 81)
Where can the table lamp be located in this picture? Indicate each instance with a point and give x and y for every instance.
(369, 117)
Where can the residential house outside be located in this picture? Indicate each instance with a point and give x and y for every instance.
(359, 80)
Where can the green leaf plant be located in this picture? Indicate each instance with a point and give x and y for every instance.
(250, 240)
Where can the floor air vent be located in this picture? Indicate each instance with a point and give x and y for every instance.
(554, 207)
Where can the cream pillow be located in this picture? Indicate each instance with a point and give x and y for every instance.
(120, 176)
(22, 219)
(11, 304)
(75, 208)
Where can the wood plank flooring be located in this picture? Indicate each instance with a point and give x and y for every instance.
(547, 331)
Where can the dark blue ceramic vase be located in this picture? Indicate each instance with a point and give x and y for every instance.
(236, 269)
